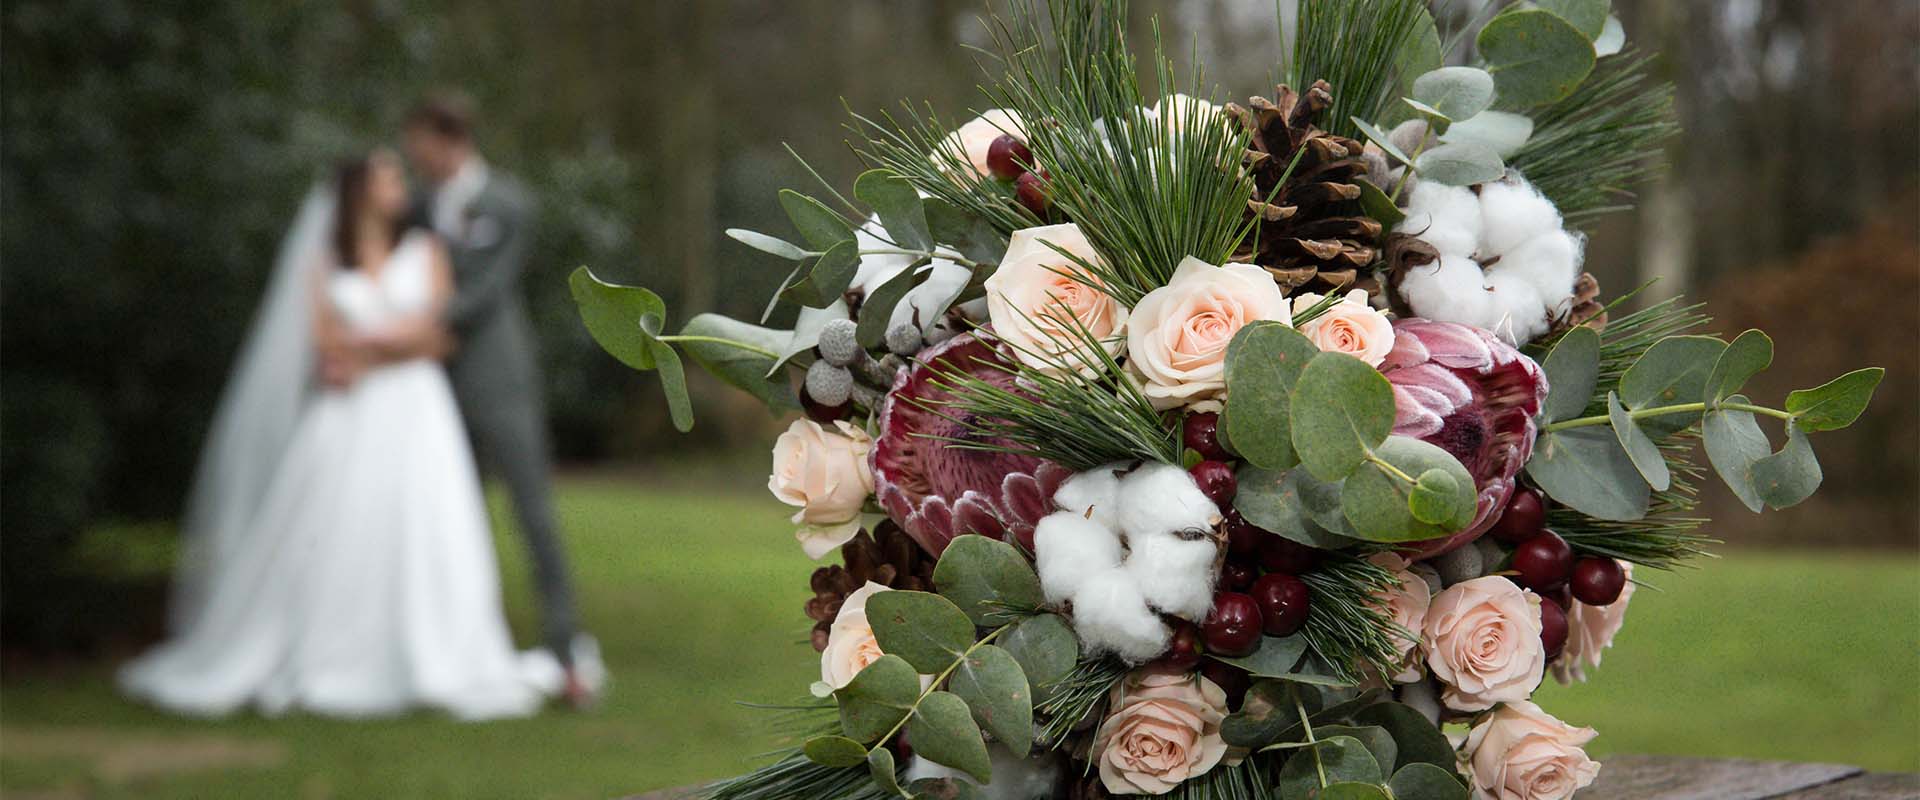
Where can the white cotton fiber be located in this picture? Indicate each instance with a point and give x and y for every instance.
(1174, 574)
(1549, 262)
(1512, 213)
(1112, 617)
(1067, 548)
(1093, 494)
(1450, 290)
(1522, 312)
(1158, 498)
(1447, 217)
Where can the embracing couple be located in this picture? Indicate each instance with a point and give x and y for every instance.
(336, 554)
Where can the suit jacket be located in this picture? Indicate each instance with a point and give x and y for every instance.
(494, 368)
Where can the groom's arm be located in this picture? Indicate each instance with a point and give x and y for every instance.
(497, 263)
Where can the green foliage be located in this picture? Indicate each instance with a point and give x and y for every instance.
(995, 689)
(1276, 656)
(1587, 16)
(1416, 741)
(1293, 504)
(1347, 630)
(988, 579)
(1535, 57)
(1586, 469)
(1340, 409)
(835, 751)
(1639, 448)
(1340, 759)
(1674, 370)
(1590, 149)
(1460, 164)
(795, 776)
(1457, 93)
(876, 312)
(750, 369)
(878, 698)
(1263, 362)
(1835, 404)
(923, 628)
(820, 226)
(914, 147)
(1045, 647)
(823, 283)
(1369, 51)
(1572, 370)
(893, 198)
(628, 321)
(1428, 782)
(942, 731)
(1745, 357)
(1072, 698)
(1407, 491)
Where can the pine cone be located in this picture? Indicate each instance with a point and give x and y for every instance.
(1311, 233)
(888, 557)
(1584, 307)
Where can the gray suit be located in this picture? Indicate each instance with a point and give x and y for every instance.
(496, 378)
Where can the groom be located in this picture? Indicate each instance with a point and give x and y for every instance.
(485, 218)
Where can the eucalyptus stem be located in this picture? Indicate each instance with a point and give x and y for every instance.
(1307, 725)
(1407, 174)
(761, 351)
(908, 251)
(1683, 408)
(1390, 469)
(937, 680)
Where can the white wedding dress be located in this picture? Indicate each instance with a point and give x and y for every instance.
(365, 583)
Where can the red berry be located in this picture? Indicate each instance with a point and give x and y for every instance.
(1553, 628)
(1031, 191)
(1544, 562)
(824, 413)
(1216, 481)
(1524, 517)
(1280, 554)
(1562, 597)
(1183, 650)
(1231, 679)
(1233, 627)
(1007, 157)
(1238, 576)
(1598, 581)
(1284, 602)
(1201, 433)
(1243, 537)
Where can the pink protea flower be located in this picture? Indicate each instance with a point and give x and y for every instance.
(1464, 390)
(936, 491)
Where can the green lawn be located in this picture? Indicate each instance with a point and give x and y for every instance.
(696, 599)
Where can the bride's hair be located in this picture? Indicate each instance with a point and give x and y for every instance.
(351, 179)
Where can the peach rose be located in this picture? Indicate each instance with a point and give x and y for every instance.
(1350, 326)
(971, 140)
(1408, 606)
(1591, 629)
(1038, 298)
(1178, 334)
(1522, 753)
(826, 475)
(1483, 642)
(851, 645)
(1162, 728)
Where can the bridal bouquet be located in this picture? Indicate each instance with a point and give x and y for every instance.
(1268, 449)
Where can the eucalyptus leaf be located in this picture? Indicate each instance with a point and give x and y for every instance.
(1416, 740)
(1382, 140)
(1745, 357)
(626, 321)
(878, 697)
(773, 245)
(1440, 499)
(1460, 164)
(1671, 372)
(827, 279)
(925, 629)
(1275, 658)
(876, 312)
(970, 236)
(1339, 759)
(1734, 444)
(1835, 404)
(1421, 53)
(899, 207)
(1503, 132)
(1586, 469)
(743, 369)
(1378, 741)
(1263, 361)
(816, 223)
(1375, 203)
(1535, 57)
(835, 751)
(1381, 505)
(1284, 503)
(885, 775)
(995, 689)
(1587, 16)
(942, 731)
(1572, 369)
(1045, 647)
(1456, 92)
(1352, 790)
(1787, 477)
(987, 579)
(1339, 410)
(1435, 117)
(1426, 782)
(1639, 448)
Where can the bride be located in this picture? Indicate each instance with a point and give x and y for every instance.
(337, 556)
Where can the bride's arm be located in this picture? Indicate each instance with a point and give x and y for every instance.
(339, 358)
(422, 334)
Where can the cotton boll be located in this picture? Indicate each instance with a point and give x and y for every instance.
(1450, 290)
(1067, 549)
(1522, 311)
(1447, 217)
(1549, 262)
(1513, 213)
(1111, 616)
(1094, 494)
(1174, 574)
(1158, 498)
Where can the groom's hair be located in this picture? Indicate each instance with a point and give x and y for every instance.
(449, 114)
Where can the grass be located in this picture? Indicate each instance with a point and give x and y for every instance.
(696, 595)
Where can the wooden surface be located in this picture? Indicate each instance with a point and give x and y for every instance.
(1660, 778)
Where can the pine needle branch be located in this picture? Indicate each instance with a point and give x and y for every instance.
(1348, 628)
(914, 145)
(1070, 699)
(1355, 46)
(1592, 147)
(795, 776)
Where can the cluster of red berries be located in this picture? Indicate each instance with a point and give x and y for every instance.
(1260, 591)
(1009, 160)
(1544, 562)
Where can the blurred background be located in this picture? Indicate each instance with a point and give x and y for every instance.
(153, 152)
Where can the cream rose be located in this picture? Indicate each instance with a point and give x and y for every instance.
(1522, 753)
(851, 645)
(1177, 335)
(1038, 298)
(1408, 607)
(971, 140)
(1350, 326)
(1162, 728)
(824, 473)
(1483, 642)
(1591, 629)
